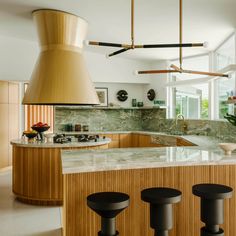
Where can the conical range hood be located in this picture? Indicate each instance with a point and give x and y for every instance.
(60, 76)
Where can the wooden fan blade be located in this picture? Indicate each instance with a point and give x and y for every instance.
(104, 44)
(175, 67)
(205, 73)
(157, 71)
(173, 45)
(119, 52)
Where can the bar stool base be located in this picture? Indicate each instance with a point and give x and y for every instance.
(161, 233)
(207, 233)
(100, 234)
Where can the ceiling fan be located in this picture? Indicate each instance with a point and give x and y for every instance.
(126, 47)
(179, 69)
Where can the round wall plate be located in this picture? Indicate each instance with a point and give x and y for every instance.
(151, 94)
(122, 95)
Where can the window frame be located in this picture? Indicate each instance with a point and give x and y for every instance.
(213, 109)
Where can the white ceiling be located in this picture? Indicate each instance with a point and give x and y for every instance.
(156, 21)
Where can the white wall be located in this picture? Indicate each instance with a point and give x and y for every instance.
(158, 81)
(133, 90)
(17, 58)
(115, 69)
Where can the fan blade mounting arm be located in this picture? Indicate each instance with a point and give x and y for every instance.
(157, 71)
(105, 44)
(118, 52)
(205, 73)
(175, 68)
(173, 45)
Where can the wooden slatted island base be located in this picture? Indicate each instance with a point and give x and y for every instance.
(132, 170)
(37, 171)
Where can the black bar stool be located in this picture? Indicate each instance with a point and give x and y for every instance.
(212, 206)
(161, 200)
(108, 205)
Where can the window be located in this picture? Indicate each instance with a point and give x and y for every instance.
(191, 100)
(226, 87)
(225, 55)
(200, 97)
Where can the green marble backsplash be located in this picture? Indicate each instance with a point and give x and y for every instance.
(220, 129)
(108, 119)
(105, 119)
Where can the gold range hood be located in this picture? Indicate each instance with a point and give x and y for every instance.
(60, 76)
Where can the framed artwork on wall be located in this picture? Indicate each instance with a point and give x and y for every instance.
(102, 96)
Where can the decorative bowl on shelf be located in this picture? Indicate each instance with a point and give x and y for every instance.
(227, 147)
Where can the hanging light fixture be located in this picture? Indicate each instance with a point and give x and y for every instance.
(176, 69)
(126, 47)
(60, 76)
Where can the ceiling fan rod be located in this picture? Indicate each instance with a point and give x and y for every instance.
(118, 52)
(134, 46)
(157, 71)
(173, 45)
(176, 69)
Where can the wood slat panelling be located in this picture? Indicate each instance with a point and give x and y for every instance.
(38, 113)
(37, 174)
(79, 220)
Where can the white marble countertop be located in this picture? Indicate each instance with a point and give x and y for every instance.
(22, 143)
(136, 158)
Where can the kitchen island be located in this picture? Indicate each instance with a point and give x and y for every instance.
(131, 170)
(37, 171)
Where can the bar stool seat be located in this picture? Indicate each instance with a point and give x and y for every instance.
(108, 205)
(161, 195)
(212, 191)
(161, 200)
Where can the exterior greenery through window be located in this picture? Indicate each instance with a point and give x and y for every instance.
(192, 99)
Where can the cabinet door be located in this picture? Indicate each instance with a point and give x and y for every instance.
(3, 92)
(135, 140)
(115, 143)
(13, 126)
(13, 93)
(146, 141)
(125, 141)
(4, 138)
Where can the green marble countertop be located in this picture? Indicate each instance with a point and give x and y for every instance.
(208, 142)
(138, 158)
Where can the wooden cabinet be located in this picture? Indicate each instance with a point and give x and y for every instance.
(4, 92)
(9, 119)
(4, 135)
(125, 140)
(115, 140)
(144, 140)
(135, 140)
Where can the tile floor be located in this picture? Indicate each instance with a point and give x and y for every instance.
(18, 219)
